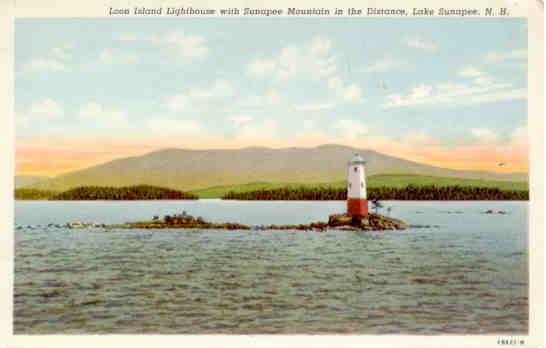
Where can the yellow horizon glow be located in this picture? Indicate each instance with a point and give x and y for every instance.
(54, 156)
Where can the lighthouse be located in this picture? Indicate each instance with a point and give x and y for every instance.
(357, 199)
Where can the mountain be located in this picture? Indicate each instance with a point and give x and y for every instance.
(26, 180)
(198, 169)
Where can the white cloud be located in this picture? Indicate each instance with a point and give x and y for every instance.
(514, 55)
(342, 93)
(418, 95)
(261, 67)
(418, 43)
(219, 89)
(350, 129)
(317, 106)
(257, 130)
(309, 125)
(481, 89)
(47, 109)
(470, 71)
(61, 53)
(177, 102)
(55, 61)
(108, 57)
(171, 126)
(95, 112)
(271, 97)
(184, 45)
(346, 92)
(46, 65)
(520, 132)
(381, 66)
(240, 119)
(127, 38)
(484, 135)
(484, 81)
(313, 59)
(418, 138)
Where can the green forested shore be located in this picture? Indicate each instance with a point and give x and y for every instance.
(33, 194)
(138, 192)
(410, 192)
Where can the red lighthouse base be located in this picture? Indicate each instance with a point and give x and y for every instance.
(357, 206)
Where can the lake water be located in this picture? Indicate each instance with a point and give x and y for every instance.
(469, 275)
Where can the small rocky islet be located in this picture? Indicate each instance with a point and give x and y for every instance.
(343, 222)
(346, 222)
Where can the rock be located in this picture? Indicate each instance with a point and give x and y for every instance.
(339, 220)
(374, 222)
(490, 211)
(347, 228)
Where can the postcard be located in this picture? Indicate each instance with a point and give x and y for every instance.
(273, 173)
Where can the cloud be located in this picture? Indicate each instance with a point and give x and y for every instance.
(47, 109)
(485, 135)
(219, 89)
(240, 120)
(95, 112)
(254, 132)
(349, 129)
(470, 71)
(417, 42)
(184, 45)
(313, 59)
(316, 106)
(55, 61)
(127, 38)
(346, 92)
(499, 57)
(43, 112)
(46, 65)
(21, 120)
(262, 68)
(107, 57)
(170, 126)
(61, 53)
(383, 65)
(342, 93)
(177, 102)
(271, 97)
(481, 89)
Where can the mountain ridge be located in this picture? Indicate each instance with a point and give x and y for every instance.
(188, 169)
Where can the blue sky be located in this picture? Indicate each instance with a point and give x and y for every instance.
(392, 83)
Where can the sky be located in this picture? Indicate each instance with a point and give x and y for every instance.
(450, 93)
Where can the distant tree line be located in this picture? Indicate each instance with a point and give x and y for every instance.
(33, 194)
(139, 192)
(410, 192)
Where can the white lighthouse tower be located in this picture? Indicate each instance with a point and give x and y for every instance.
(357, 199)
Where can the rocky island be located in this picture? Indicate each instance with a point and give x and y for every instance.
(373, 222)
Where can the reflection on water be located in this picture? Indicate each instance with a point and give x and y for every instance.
(468, 276)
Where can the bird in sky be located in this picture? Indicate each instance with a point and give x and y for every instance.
(502, 164)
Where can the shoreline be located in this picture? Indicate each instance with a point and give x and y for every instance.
(265, 200)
